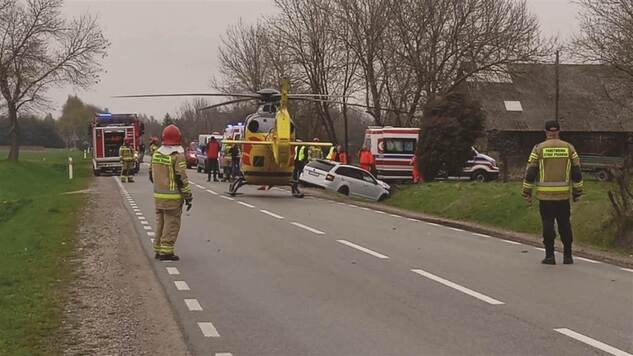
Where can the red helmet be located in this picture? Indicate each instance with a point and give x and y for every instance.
(171, 135)
(153, 139)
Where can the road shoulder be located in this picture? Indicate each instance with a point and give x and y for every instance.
(116, 305)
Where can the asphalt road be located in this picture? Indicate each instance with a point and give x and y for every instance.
(267, 274)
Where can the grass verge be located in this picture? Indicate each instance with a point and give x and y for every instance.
(498, 204)
(37, 235)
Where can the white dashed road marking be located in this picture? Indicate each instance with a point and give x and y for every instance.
(367, 209)
(208, 330)
(144, 222)
(380, 212)
(588, 260)
(361, 248)
(227, 198)
(510, 242)
(456, 229)
(141, 217)
(271, 214)
(147, 227)
(193, 305)
(456, 286)
(539, 248)
(246, 204)
(173, 271)
(412, 219)
(480, 235)
(592, 342)
(627, 269)
(150, 233)
(433, 224)
(311, 229)
(139, 214)
(395, 216)
(181, 285)
(223, 354)
(212, 192)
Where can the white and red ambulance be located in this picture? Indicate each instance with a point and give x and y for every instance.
(393, 149)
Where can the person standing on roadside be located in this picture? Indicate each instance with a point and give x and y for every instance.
(168, 173)
(235, 161)
(365, 158)
(315, 152)
(300, 161)
(126, 155)
(213, 150)
(553, 169)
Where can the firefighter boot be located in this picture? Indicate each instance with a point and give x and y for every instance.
(169, 257)
(567, 258)
(130, 179)
(549, 256)
(123, 179)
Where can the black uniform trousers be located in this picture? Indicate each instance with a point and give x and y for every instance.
(558, 211)
(296, 172)
(212, 168)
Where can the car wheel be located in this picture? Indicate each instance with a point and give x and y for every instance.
(343, 190)
(480, 176)
(603, 175)
(383, 197)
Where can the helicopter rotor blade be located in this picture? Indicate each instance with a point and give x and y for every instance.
(226, 103)
(348, 104)
(237, 95)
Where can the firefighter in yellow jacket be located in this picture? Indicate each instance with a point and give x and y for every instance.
(553, 170)
(126, 155)
(168, 172)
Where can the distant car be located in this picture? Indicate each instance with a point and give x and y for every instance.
(481, 167)
(190, 155)
(345, 179)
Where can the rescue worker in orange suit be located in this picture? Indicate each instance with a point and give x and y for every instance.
(553, 169)
(366, 158)
(213, 150)
(126, 155)
(168, 173)
(415, 172)
(341, 155)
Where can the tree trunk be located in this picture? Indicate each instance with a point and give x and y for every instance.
(14, 133)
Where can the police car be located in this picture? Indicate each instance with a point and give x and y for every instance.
(345, 179)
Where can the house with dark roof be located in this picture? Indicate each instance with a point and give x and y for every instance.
(595, 108)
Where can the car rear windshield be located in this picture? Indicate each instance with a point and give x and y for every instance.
(399, 145)
(321, 165)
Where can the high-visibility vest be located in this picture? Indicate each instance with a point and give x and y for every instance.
(152, 148)
(126, 153)
(366, 158)
(167, 172)
(342, 157)
(549, 170)
(331, 155)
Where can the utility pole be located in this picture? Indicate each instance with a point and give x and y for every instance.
(556, 66)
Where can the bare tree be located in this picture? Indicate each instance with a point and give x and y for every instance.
(39, 49)
(445, 42)
(606, 34)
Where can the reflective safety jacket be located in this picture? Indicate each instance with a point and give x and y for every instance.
(365, 157)
(126, 153)
(315, 152)
(342, 157)
(331, 155)
(169, 172)
(553, 169)
(300, 153)
(152, 148)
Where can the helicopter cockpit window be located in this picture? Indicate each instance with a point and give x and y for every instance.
(261, 124)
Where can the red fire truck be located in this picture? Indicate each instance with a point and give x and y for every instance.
(109, 131)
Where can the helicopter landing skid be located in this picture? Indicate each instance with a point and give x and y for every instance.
(235, 185)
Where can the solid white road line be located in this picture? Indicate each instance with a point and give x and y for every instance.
(147, 227)
(223, 354)
(627, 269)
(395, 216)
(361, 248)
(592, 342)
(456, 286)
(456, 229)
(173, 271)
(193, 305)
(181, 285)
(380, 212)
(150, 233)
(308, 228)
(480, 235)
(510, 242)
(271, 214)
(246, 204)
(227, 198)
(588, 260)
(208, 330)
(212, 192)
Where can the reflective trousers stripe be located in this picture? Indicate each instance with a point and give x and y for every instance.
(174, 196)
(552, 189)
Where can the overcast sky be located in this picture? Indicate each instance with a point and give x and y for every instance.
(171, 46)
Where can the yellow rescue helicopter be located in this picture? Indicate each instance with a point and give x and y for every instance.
(268, 148)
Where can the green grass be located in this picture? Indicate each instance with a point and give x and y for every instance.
(37, 235)
(500, 205)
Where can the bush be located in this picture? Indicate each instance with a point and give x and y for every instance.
(450, 126)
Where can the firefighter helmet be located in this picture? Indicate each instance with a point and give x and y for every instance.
(171, 135)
